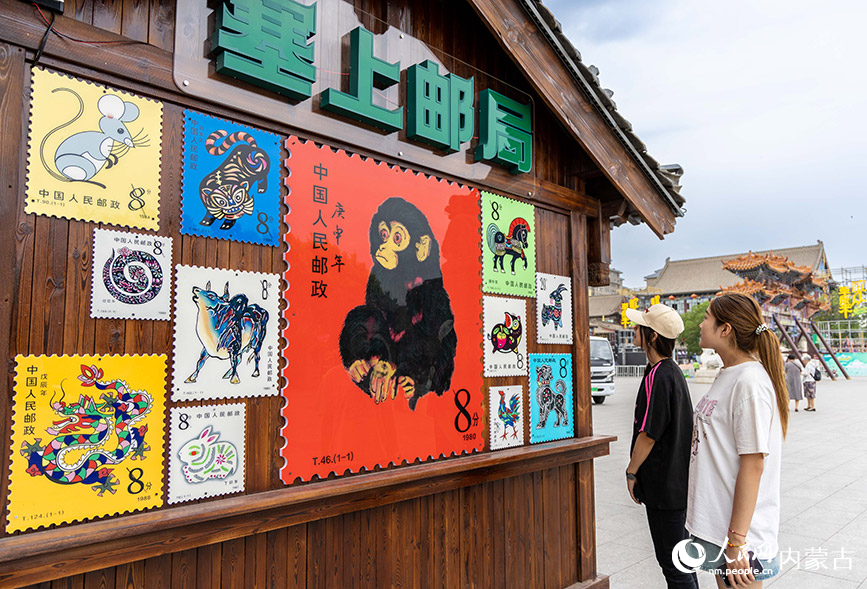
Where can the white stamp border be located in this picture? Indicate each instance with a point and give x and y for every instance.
(499, 305)
(544, 333)
(496, 440)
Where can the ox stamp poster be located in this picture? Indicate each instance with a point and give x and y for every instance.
(506, 416)
(206, 451)
(87, 438)
(550, 397)
(231, 183)
(226, 342)
(94, 152)
(505, 334)
(508, 246)
(382, 354)
(131, 275)
(553, 309)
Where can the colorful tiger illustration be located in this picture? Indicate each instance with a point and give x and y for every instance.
(225, 192)
(108, 438)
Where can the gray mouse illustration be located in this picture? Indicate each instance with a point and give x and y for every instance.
(81, 156)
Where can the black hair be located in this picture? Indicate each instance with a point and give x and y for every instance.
(792, 356)
(663, 345)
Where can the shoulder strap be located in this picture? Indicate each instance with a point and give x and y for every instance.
(648, 387)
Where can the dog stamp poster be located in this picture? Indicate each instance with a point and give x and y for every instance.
(206, 451)
(231, 181)
(87, 438)
(553, 309)
(506, 416)
(383, 324)
(131, 275)
(94, 152)
(551, 397)
(505, 332)
(508, 246)
(226, 341)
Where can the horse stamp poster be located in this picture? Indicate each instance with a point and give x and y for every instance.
(231, 187)
(87, 438)
(506, 416)
(226, 342)
(383, 322)
(206, 451)
(553, 309)
(508, 246)
(94, 152)
(131, 275)
(550, 397)
(505, 336)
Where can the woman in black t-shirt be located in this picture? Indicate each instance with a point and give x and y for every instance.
(658, 471)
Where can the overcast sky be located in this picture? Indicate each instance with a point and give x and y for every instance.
(763, 104)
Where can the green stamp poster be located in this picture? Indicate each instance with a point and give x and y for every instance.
(508, 246)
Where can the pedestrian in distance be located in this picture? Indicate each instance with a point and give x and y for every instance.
(809, 375)
(793, 379)
(734, 473)
(658, 469)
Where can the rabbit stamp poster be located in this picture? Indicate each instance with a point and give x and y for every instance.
(94, 152)
(383, 324)
(87, 438)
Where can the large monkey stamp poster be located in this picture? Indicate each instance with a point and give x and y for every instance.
(383, 338)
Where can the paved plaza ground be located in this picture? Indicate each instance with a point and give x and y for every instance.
(824, 494)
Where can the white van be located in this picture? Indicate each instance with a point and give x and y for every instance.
(601, 369)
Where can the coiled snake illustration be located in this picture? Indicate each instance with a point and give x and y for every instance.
(107, 437)
(133, 277)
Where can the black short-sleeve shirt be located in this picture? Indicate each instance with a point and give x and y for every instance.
(666, 417)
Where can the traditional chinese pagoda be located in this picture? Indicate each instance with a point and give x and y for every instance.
(789, 295)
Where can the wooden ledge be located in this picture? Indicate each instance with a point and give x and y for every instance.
(38, 556)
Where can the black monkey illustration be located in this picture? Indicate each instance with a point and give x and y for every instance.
(402, 338)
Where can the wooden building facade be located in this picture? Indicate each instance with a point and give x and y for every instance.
(519, 517)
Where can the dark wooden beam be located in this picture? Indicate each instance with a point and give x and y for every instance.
(542, 67)
(599, 250)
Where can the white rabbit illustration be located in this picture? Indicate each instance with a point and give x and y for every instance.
(205, 457)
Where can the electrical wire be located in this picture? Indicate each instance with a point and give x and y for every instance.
(51, 29)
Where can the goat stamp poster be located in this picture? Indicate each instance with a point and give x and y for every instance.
(131, 275)
(506, 416)
(551, 397)
(382, 338)
(94, 152)
(87, 438)
(505, 345)
(553, 309)
(231, 182)
(508, 246)
(206, 451)
(226, 341)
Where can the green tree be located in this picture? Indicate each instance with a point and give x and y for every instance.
(691, 320)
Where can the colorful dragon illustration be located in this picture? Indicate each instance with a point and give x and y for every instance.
(108, 437)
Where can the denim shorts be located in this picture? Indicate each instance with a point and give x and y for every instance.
(715, 560)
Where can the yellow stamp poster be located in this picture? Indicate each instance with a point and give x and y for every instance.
(94, 152)
(87, 438)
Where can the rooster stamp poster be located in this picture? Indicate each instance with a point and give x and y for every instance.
(508, 246)
(206, 451)
(383, 329)
(550, 397)
(553, 309)
(505, 334)
(94, 152)
(231, 187)
(506, 416)
(226, 341)
(87, 438)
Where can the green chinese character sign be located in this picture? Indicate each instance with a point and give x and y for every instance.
(365, 71)
(505, 132)
(267, 43)
(439, 108)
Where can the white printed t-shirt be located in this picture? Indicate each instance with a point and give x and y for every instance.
(738, 415)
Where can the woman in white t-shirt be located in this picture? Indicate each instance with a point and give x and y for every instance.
(733, 506)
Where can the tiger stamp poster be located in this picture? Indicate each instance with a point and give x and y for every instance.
(87, 438)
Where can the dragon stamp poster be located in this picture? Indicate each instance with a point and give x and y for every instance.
(508, 246)
(231, 186)
(226, 341)
(94, 152)
(87, 438)
(383, 324)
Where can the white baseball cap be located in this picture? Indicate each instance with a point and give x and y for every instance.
(660, 318)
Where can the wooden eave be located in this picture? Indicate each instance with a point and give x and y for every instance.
(543, 68)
